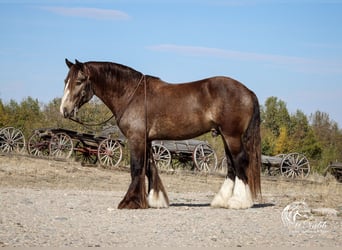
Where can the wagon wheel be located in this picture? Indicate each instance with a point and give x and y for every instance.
(204, 157)
(38, 145)
(61, 146)
(161, 157)
(222, 167)
(183, 161)
(109, 153)
(83, 154)
(11, 139)
(295, 165)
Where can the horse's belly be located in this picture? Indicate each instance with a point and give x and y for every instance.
(178, 129)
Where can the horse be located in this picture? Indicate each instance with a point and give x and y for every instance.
(147, 108)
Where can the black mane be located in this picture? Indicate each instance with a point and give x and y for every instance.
(118, 71)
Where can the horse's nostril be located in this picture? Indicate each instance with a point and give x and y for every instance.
(65, 113)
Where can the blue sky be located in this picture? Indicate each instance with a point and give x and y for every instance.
(291, 49)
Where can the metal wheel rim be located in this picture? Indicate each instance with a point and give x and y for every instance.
(109, 153)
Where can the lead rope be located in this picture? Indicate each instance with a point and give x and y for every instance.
(130, 98)
(145, 107)
(88, 125)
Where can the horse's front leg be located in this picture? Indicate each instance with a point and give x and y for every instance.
(136, 194)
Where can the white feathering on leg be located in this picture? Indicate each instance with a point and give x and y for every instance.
(157, 199)
(242, 197)
(222, 197)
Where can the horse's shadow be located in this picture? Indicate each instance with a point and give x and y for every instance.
(182, 204)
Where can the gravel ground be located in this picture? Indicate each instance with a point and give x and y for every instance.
(47, 203)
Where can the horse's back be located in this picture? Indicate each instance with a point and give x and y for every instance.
(200, 106)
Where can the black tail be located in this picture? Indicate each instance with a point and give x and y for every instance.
(252, 144)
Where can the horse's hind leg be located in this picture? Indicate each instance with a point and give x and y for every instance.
(242, 196)
(157, 197)
(235, 192)
(226, 190)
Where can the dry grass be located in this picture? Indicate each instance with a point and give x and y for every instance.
(24, 171)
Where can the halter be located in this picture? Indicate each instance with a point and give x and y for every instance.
(119, 116)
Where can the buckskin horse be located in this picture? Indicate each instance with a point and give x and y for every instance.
(147, 108)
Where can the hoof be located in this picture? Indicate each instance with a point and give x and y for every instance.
(132, 204)
(222, 197)
(237, 203)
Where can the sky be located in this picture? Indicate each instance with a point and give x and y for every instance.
(290, 49)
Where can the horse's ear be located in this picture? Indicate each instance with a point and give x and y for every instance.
(79, 64)
(68, 63)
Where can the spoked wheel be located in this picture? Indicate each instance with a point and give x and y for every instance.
(183, 162)
(222, 168)
(295, 165)
(84, 153)
(161, 157)
(109, 153)
(61, 146)
(11, 140)
(38, 145)
(204, 157)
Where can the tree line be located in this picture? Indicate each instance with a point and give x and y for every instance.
(317, 136)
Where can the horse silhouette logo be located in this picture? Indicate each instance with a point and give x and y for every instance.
(294, 212)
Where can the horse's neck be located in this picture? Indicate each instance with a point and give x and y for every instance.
(116, 95)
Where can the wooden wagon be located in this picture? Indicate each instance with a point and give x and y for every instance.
(196, 154)
(335, 169)
(291, 165)
(64, 143)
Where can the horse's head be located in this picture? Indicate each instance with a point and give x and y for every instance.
(77, 90)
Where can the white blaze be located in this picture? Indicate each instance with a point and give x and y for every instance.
(65, 96)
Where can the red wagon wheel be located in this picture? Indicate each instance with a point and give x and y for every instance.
(11, 140)
(109, 152)
(61, 146)
(38, 145)
(85, 153)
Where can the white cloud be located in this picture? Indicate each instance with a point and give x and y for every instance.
(296, 63)
(93, 13)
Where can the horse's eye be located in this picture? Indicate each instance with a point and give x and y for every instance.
(78, 83)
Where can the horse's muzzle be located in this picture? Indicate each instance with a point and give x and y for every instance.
(67, 114)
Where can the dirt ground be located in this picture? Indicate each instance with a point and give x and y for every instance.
(44, 202)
